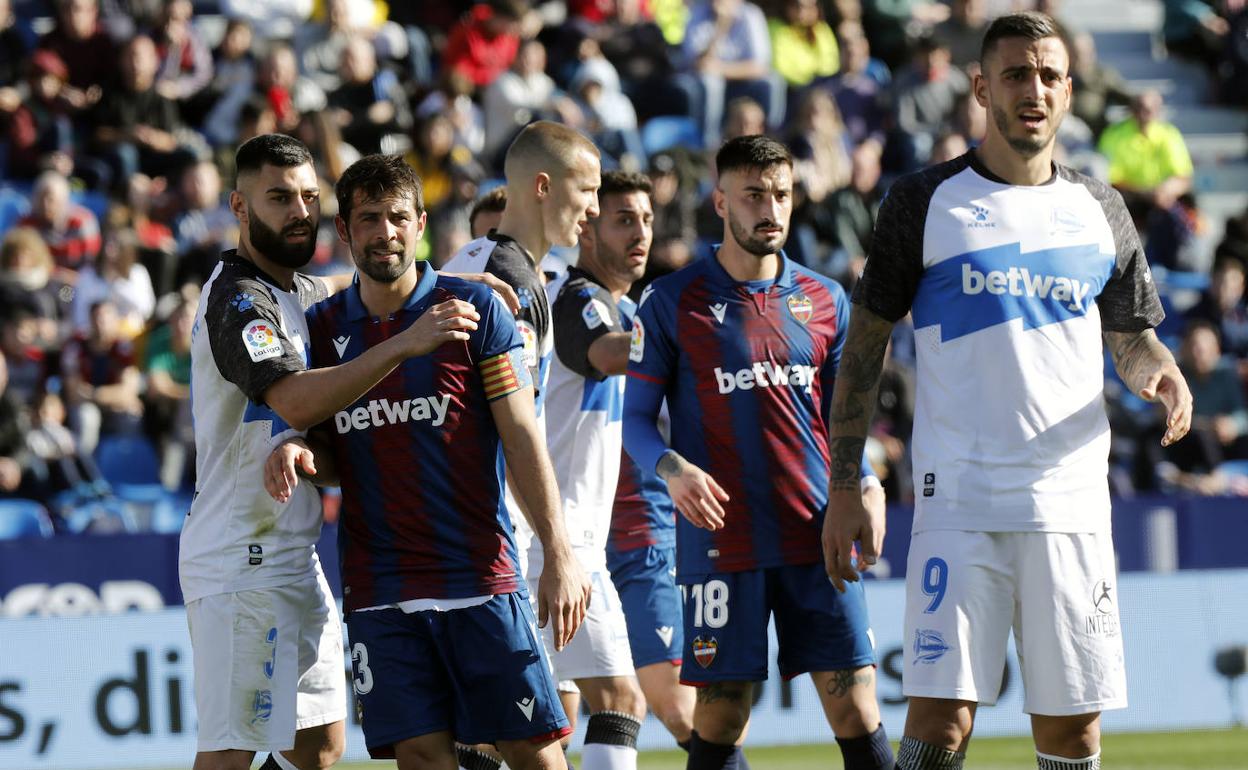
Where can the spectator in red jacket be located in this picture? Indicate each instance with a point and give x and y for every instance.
(485, 42)
(71, 231)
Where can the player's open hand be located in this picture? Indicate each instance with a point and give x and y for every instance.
(281, 474)
(852, 516)
(449, 321)
(1167, 386)
(500, 287)
(695, 493)
(563, 593)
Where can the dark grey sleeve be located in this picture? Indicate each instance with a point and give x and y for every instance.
(582, 313)
(246, 337)
(311, 290)
(1129, 301)
(895, 265)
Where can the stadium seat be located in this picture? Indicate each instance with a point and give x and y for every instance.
(127, 460)
(24, 518)
(169, 513)
(665, 131)
(101, 517)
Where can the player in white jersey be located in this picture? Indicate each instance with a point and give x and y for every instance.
(584, 429)
(267, 642)
(553, 175)
(1014, 268)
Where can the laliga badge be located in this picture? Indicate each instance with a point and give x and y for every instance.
(704, 651)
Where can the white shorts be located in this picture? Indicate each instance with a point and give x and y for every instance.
(268, 662)
(600, 647)
(966, 590)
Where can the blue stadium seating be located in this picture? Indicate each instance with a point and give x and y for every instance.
(665, 131)
(127, 460)
(23, 518)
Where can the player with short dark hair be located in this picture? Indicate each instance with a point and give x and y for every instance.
(487, 211)
(744, 346)
(442, 633)
(1015, 269)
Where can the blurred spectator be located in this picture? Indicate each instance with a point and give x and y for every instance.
(888, 24)
(272, 19)
(519, 96)
(485, 42)
(27, 280)
(102, 380)
(20, 346)
(39, 129)
(116, 278)
(963, 32)
(948, 146)
(432, 155)
(1219, 418)
(370, 104)
(970, 119)
(727, 47)
(234, 77)
(1194, 29)
(820, 146)
(675, 204)
(610, 119)
(802, 44)
(861, 86)
(487, 212)
(71, 231)
(86, 48)
(1173, 237)
(635, 46)
(453, 97)
(59, 462)
(14, 48)
(1096, 86)
(185, 61)
(320, 45)
(1148, 160)
(852, 211)
(924, 97)
(289, 94)
(1225, 308)
(203, 227)
(330, 153)
(14, 424)
(167, 401)
(135, 125)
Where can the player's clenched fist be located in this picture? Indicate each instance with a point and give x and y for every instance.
(563, 593)
(450, 321)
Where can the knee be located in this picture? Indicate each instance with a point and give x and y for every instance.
(677, 717)
(943, 723)
(223, 760)
(322, 752)
(1071, 737)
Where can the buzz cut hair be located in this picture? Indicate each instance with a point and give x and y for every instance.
(277, 150)
(1030, 25)
(546, 144)
(753, 151)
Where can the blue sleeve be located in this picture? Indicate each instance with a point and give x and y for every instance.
(832, 364)
(496, 330)
(651, 361)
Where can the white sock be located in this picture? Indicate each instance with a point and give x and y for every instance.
(1050, 762)
(610, 742)
(601, 756)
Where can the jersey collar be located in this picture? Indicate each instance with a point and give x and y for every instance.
(232, 255)
(424, 286)
(784, 276)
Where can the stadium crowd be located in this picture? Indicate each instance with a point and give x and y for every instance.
(119, 120)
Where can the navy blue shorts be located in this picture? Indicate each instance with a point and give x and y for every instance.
(645, 579)
(479, 673)
(818, 629)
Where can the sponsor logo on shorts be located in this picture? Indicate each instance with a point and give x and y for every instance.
(1102, 621)
(665, 633)
(704, 650)
(526, 707)
(340, 344)
(255, 554)
(929, 646)
(929, 484)
(262, 706)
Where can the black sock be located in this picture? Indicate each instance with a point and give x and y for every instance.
(704, 755)
(473, 759)
(867, 752)
(270, 764)
(685, 744)
(613, 728)
(737, 761)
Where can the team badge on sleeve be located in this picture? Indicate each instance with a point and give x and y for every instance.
(261, 342)
(704, 651)
(504, 374)
(637, 350)
(595, 314)
(801, 307)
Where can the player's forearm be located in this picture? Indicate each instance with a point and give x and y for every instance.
(337, 282)
(642, 439)
(307, 398)
(609, 353)
(853, 399)
(1138, 356)
(535, 489)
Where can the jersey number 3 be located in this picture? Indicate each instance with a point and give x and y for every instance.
(363, 680)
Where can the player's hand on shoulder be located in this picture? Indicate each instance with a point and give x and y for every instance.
(281, 469)
(694, 492)
(852, 515)
(500, 287)
(563, 594)
(449, 321)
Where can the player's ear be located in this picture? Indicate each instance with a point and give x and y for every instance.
(720, 201)
(422, 219)
(979, 86)
(238, 205)
(541, 185)
(340, 225)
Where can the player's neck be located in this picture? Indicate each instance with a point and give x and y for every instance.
(525, 228)
(588, 263)
(744, 266)
(1003, 161)
(285, 276)
(382, 300)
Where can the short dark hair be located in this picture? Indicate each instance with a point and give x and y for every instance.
(493, 201)
(272, 150)
(378, 177)
(616, 181)
(755, 151)
(1031, 25)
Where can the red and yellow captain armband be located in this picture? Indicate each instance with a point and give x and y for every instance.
(504, 374)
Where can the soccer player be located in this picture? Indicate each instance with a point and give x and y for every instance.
(744, 346)
(589, 312)
(1015, 269)
(443, 643)
(487, 212)
(265, 634)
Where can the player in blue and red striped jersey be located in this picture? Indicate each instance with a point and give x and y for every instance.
(744, 346)
(443, 640)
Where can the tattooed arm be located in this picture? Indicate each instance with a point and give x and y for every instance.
(1149, 370)
(853, 402)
